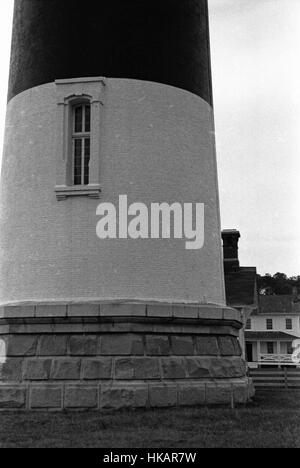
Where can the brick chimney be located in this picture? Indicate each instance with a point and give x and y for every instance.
(230, 239)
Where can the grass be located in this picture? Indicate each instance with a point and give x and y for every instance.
(272, 420)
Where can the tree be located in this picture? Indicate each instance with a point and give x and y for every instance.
(278, 284)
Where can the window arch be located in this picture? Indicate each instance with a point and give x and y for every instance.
(80, 104)
(81, 142)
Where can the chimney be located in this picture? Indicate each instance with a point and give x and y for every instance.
(230, 239)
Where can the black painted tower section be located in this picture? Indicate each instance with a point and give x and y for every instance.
(165, 41)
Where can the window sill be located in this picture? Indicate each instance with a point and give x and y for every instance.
(91, 191)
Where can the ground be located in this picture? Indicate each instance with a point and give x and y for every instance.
(271, 420)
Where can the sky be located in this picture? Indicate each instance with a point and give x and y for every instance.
(255, 48)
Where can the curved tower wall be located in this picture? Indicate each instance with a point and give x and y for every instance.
(156, 145)
(91, 323)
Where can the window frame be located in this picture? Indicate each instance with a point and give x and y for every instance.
(83, 136)
(269, 321)
(248, 325)
(71, 93)
(270, 343)
(289, 321)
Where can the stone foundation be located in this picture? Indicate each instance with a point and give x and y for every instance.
(103, 356)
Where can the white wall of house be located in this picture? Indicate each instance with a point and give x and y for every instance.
(259, 323)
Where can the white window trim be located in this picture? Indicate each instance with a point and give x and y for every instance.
(70, 92)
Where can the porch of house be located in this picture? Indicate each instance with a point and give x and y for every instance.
(269, 349)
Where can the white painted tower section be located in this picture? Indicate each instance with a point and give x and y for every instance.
(154, 143)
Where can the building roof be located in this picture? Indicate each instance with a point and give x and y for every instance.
(268, 335)
(279, 305)
(240, 286)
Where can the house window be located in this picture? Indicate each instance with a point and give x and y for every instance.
(248, 324)
(80, 112)
(270, 347)
(81, 143)
(269, 324)
(289, 347)
(288, 324)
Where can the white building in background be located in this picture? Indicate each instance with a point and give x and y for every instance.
(271, 330)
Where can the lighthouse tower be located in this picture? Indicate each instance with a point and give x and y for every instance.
(111, 101)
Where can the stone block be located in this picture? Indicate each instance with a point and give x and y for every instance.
(159, 310)
(237, 347)
(22, 345)
(52, 345)
(197, 367)
(251, 389)
(51, 310)
(137, 368)
(46, 397)
(84, 345)
(232, 314)
(207, 346)
(28, 327)
(12, 397)
(191, 394)
(161, 396)
(123, 310)
(117, 397)
(11, 370)
(223, 368)
(65, 369)
(173, 368)
(18, 312)
(182, 345)
(210, 313)
(83, 310)
(190, 312)
(81, 397)
(122, 344)
(226, 346)
(4, 329)
(36, 369)
(157, 345)
(218, 394)
(94, 369)
(240, 392)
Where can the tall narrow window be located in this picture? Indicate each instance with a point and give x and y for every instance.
(81, 140)
(270, 347)
(248, 324)
(269, 323)
(289, 324)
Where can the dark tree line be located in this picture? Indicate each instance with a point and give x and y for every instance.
(278, 284)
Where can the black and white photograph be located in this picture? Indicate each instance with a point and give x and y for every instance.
(149, 235)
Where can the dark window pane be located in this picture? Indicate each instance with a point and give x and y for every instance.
(87, 145)
(77, 161)
(78, 148)
(87, 118)
(78, 119)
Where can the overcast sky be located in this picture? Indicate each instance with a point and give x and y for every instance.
(255, 47)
